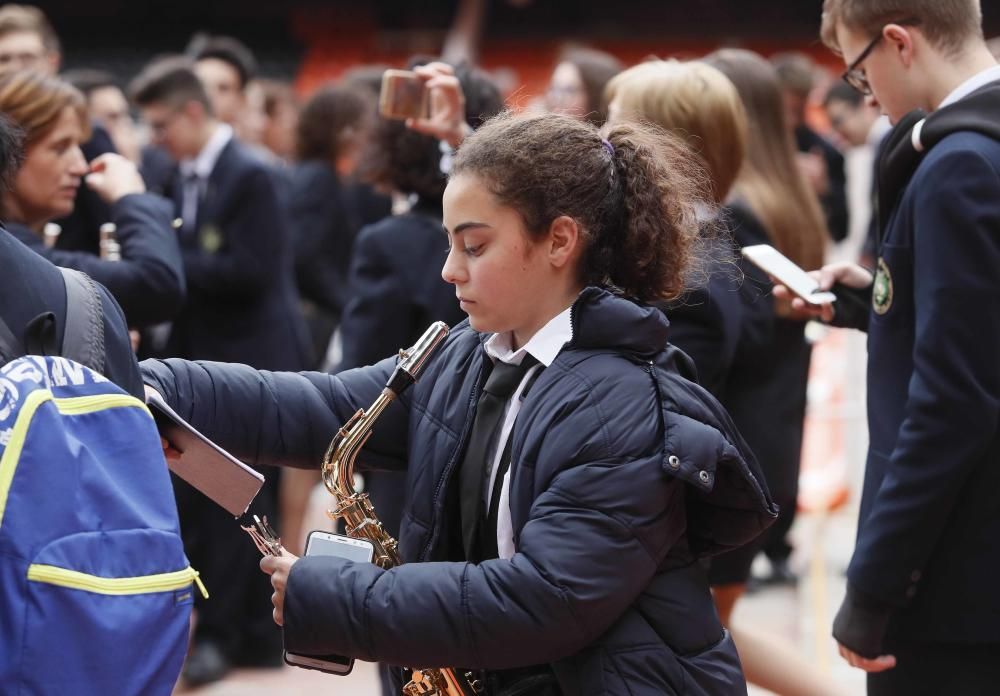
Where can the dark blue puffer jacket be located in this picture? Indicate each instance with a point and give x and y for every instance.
(623, 473)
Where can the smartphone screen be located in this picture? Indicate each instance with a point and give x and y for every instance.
(329, 544)
(403, 95)
(783, 270)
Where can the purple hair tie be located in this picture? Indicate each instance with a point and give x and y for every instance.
(608, 146)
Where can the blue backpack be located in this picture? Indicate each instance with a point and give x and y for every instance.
(95, 590)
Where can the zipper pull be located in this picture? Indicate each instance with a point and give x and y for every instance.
(199, 583)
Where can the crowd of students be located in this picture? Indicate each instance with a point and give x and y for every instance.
(655, 419)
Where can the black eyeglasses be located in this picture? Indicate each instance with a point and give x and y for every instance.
(855, 75)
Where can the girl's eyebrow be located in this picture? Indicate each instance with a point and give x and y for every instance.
(459, 229)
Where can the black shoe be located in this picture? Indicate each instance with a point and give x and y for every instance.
(207, 663)
(781, 573)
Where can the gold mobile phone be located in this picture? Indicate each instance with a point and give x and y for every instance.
(403, 96)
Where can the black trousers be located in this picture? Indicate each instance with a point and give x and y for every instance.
(935, 669)
(238, 613)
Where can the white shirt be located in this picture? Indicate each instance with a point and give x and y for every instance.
(544, 346)
(195, 172)
(978, 80)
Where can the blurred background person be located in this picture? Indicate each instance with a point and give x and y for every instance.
(698, 104)
(766, 392)
(724, 324)
(108, 107)
(242, 307)
(822, 164)
(27, 40)
(273, 109)
(148, 280)
(332, 130)
(32, 43)
(225, 66)
(576, 87)
(863, 129)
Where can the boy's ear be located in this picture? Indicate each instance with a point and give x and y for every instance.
(563, 241)
(900, 40)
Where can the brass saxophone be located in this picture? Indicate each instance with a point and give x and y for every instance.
(358, 512)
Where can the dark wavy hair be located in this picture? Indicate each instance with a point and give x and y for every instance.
(408, 162)
(635, 193)
(11, 152)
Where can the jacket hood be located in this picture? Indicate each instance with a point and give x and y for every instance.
(917, 132)
(603, 320)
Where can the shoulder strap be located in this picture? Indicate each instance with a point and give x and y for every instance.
(9, 345)
(83, 338)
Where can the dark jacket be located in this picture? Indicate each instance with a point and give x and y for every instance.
(148, 281)
(242, 304)
(834, 201)
(926, 557)
(396, 288)
(324, 227)
(30, 286)
(623, 474)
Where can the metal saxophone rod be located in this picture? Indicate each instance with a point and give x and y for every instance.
(358, 512)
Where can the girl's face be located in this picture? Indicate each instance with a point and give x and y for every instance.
(46, 184)
(567, 94)
(505, 280)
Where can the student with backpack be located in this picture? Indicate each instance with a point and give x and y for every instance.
(922, 607)
(584, 575)
(95, 590)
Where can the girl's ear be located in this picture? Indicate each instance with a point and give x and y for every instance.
(563, 241)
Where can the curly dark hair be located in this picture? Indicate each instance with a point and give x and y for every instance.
(408, 162)
(635, 193)
(11, 152)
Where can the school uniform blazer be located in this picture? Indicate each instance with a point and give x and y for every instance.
(930, 513)
(623, 473)
(148, 281)
(242, 304)
(30, 285)
(396, 288)
(324, 227)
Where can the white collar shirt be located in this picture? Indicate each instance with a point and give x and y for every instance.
(544, 346)
(980, 79)
(196, 171)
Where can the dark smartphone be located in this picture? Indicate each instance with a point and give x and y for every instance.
(329, 544)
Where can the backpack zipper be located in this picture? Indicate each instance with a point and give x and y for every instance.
(74, 579)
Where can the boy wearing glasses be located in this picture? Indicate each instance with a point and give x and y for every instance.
(922, 612)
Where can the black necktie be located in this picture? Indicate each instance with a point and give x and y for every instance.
(500, 386)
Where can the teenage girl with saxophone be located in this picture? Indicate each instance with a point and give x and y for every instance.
(565, 473)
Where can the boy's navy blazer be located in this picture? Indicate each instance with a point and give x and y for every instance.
(930, 514)
(242, 304)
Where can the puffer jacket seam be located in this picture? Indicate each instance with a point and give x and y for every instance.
(564, 494)
(441, 425)
(466, 615)
(589, 400)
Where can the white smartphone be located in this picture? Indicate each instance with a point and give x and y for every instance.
(322, 543)
(783, 270)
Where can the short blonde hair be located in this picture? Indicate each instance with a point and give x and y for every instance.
(947, 24)
(694, 101)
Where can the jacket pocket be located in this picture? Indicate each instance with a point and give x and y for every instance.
(107, 612)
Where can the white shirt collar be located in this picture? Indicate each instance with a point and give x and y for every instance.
(204, 163)
(972, 84)
(544, 346)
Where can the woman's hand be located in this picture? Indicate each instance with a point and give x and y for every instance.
(113, 177)
(278, 567)
(447, 118)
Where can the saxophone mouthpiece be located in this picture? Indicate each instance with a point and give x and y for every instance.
(413, 359)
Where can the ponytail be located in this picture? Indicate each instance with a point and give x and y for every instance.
(636, 194)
